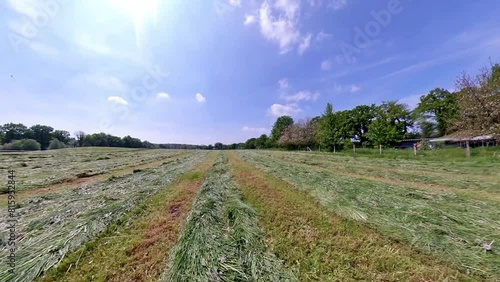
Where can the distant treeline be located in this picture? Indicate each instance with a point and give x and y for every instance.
(17, 136)
(472, 110)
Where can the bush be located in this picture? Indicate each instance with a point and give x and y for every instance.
(24, 145)
(56, 144)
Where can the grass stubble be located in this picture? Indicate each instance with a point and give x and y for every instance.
(322, 246)
(222, 240)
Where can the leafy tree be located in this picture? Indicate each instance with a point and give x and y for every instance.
(359, 121)
(130, 142)
(42, 134)
(210, 147)
(279, 126)
(114, 141)
(56, 144)
(218, 146)
(439, 105)
(251, 143)
(13, 131)
(241, 146)
(390, 125)
(23, 144)
(80, 137)
(329, 130)
(479, 103)
(61, 135)
(262, 142)
(300, 134)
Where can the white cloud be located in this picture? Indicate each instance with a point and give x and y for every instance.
(117, 99)
(249, 19)
(337, 4)
(323, 36)
(355, 88)
(282, 29)
(254, 129)
(163, 95)
(304, 45)
(284, 110)
(326, 65)
(283, 83)
(200, 98)
(302, 96)
(235, 3)
(347, 88)
(44, 49)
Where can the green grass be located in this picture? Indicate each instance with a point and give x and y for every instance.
(322, 246)
(55, 224)
(449, 224)
(222, 240)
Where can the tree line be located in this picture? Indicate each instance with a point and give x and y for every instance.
(472, 110)
(17, 136)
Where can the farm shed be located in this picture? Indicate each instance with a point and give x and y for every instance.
(474, 141)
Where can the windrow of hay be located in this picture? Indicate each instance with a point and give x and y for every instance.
(451, 226)
(52, 225)
(222, 240)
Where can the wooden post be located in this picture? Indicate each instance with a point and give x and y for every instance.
(380, 149)
(415, 149)
(334, 149)
(354, 147)
(467, 149)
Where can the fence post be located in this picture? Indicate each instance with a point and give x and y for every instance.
(380, 148)
(354, 147)
(415, 149)
(467, 149)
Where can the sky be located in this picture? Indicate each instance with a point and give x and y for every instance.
(206, 71)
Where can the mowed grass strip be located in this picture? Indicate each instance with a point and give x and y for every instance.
(454, 226)
(222, 240)
(75, 182)
(136, 248)
(322, 246)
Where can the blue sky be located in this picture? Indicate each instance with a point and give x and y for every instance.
(203, 71)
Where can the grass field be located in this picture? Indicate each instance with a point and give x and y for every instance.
(145, 215)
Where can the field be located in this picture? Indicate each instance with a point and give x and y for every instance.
(178, 215)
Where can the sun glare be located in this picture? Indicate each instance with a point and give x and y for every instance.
(140, 10)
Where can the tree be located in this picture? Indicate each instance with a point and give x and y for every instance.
(218, 146)
(329, 129)
(250, 144)
(262, 142)
(390, 125)
(23, 144)
(42, 134)
(56, 144)
(80, 137)
(61, 135)
(440, 106)
(300, 134)
(279, 126)
(478, 103)
(359, 121)
(13, 131)
(130, 142)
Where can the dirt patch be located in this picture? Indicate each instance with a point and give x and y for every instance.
(175, 210)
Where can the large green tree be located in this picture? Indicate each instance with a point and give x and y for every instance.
(390, 125)
(61, 135)
(359, 121)
(330, 129)
(262, 142)
(279, 127)
(439, 106)
(13, 131)
(42, 134)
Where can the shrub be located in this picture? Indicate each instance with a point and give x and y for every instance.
(56, 144)
(24, 144)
